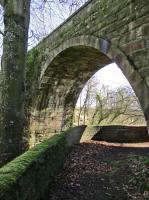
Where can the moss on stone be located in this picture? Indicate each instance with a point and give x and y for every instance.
(28, 176)
(32, 72)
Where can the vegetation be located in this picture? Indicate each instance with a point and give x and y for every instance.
(136, 184)
(15, 91)
(101, 105)
(139, 181)
(12, 118)
(28, 176)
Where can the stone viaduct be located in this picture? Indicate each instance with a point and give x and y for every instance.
(99, 33)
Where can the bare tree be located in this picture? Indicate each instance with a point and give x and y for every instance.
(43, 10)
(86, 99)
(12, 119)
(118, 106)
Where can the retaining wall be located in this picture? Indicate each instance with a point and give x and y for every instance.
(28, 176)
(123, 134)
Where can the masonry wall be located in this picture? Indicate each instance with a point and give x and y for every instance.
(124, 28)
(122, 134)
(29, 176)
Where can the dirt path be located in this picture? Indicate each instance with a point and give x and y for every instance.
(96, 171)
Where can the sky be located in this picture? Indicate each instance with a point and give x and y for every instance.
(111, 75)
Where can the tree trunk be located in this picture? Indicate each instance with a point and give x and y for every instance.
(12, 118)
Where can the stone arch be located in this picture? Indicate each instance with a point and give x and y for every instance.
(85, 40)
(59, 92)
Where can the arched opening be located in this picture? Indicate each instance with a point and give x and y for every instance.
(110, 109)
(63, 81)
(108, 99)
(65, 73)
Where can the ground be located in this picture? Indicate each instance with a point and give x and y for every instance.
(102, 171)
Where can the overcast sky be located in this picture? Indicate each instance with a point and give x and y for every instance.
(111, 75)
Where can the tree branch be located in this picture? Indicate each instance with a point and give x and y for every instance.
(1, 33)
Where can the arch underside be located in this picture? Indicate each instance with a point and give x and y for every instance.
(65, 76)
(69, 71)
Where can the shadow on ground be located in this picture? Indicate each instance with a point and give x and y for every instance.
(98, 171)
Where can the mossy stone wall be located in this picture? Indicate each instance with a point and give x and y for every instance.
(28, 176)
